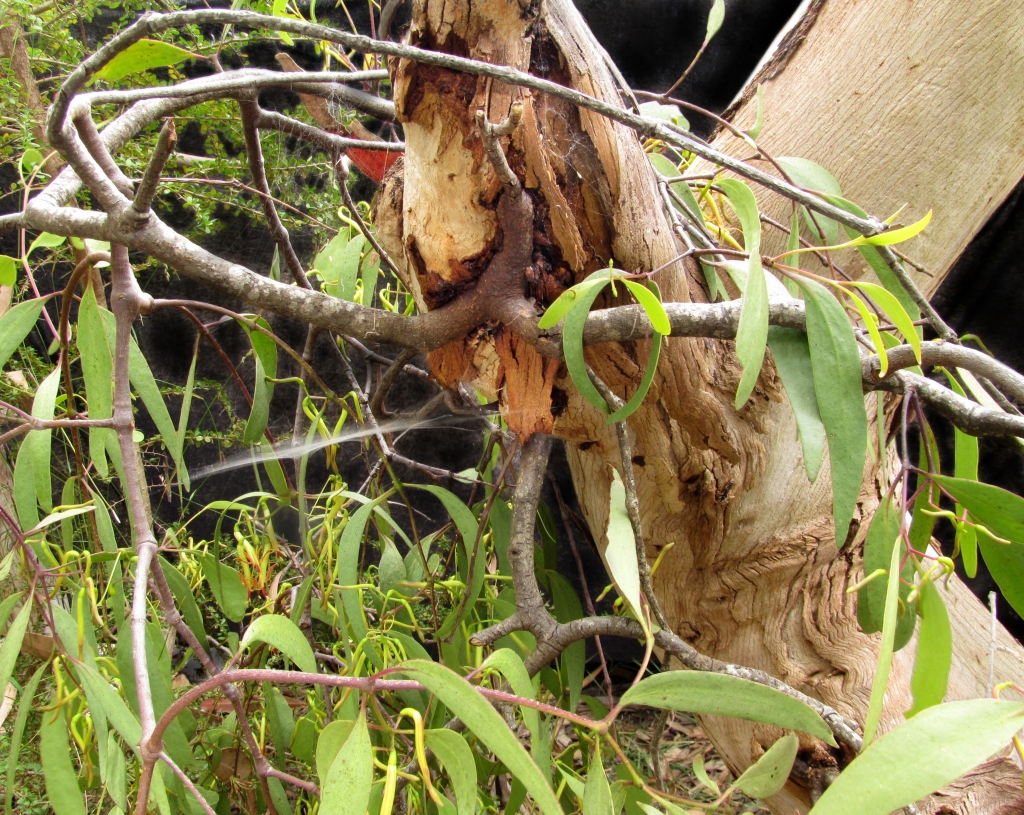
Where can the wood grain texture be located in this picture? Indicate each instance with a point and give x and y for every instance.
(905, 102)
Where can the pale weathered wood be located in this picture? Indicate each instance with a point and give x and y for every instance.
(904, 102)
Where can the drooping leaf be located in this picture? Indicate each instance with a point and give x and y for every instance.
(15, 325)
(11, 646)
(511, 666)
(346, 789)
(338, 263)
(878, 548)
(454, 753)
(26, 705)
(934, 651)
(724, 695)
(965, 466)
(700, 770)
(565, 302)
(228, 589)
(752, 333)
(40, 441)
(620, 554)
(58, 772)
(650, 299)
(281, 633)
(835, 363)
(814, 177)
(142, 56)
(184, 415)
(8, 270)
(572, 346)
(755, 131)
(768, 774)
(483, 720)
(391, 568)
(259, 414)
(670, 113)
(115, 775)
(597, 794)
(792, 359)
(185, 600)
(882, 779)
(895, 311)
(101, 695)
(97, 370)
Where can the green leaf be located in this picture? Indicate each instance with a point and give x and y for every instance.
(638, 397)
(100, 694)
(811, 176)
(27, 705)
(11, 646)
(878, 552)
(511, 666)
(284, 635)
(921, 756)
(228, 589)
(620, 553)
(483, 720)
(185, 600)
(8, 604)
(715, 19)
(115, 774)
(1002, 513)
(965, 465)
(769, 774)
(565, 302)
(328, 745)
(752, 334)
(338, 263)
(46, 241)
(650, 299)
(755, 131)
(454, 753)
(279, 717)
(391, 568)
(701, 772)
(15, 325)
(142, 56)
(895, 311)
(61, 780)
(346, 789)
(934, 651)
(835, 363)
(97, 369)
(597, 794)
(792, 358)
(670, 113)
(259, 414)
(666, 168)
(8, 270)
(572, 346)
(39, 442)
(183, 417)
(881, 679)
(723, 695)
(573, 660)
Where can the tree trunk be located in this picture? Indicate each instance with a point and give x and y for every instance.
(755, 577)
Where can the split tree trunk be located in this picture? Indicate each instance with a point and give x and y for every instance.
(755, 576)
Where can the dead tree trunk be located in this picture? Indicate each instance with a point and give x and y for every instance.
(755, 576)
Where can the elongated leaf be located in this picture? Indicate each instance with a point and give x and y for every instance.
(100, 694)
(26, 705)
(115, 774)
(723, 695)
(39, 441)
(11, 646)
(878, 548)
(882, 779)
(8, 270)
(259, 414)
(142, 56)
(572, 346)
(885, 652)
(346, 790)
(573, 661)
(650, 299)
(752, 333)
(755, 131)
(15, 325)
(835, 363)
(284, 635)
(182, 592)
(620, 554)
(895, 311)
(768, 775)
(792, 358)
(871, 323)
(511, 666)
(7, 605)
(58, 772)
(279, 717)
(97, 370)
(965, 465)
(934, 651)
(483, 720)
(597, 794)
(638, 397)
(183, 418)
(228, 589)
(814, 177)
(339, 264)
(453, 752)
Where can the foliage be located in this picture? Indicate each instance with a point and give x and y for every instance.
(339, 667)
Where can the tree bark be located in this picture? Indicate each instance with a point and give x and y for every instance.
(755, 576)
